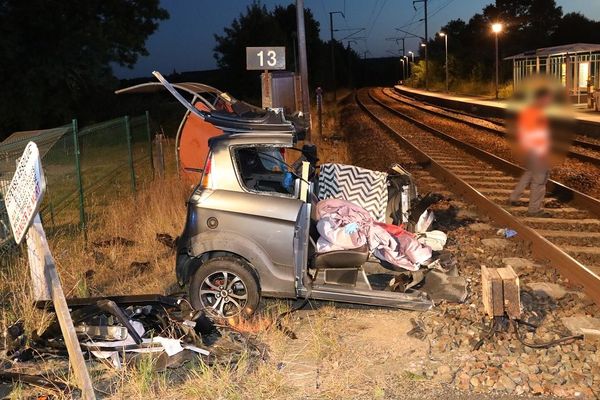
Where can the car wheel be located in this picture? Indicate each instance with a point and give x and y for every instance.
(225, 287)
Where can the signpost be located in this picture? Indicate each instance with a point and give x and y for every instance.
(25, 192)
(23, 200)
(265, 58)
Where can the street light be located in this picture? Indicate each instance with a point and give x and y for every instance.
(412, 55)
(497, 28)
(406, 65)
(402, 61)
(442, 34)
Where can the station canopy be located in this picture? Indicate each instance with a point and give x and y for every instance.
(574, 48)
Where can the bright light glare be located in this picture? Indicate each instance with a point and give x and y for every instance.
(497, 27)
(442, 34)
(423, 45)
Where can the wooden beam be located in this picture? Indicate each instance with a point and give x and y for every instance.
(511, 292)
(492, 293)
(42, 266)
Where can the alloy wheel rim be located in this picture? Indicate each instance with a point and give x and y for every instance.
(223, 293)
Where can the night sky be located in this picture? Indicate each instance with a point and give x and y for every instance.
(185, 41)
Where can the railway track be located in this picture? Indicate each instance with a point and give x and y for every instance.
(568, 239)
(581, 150)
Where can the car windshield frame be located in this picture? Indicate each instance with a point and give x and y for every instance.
(235, 162)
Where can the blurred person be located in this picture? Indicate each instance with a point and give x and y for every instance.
(534, 141)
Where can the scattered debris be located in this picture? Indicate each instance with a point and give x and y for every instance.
(419, 330)
(441, 286)
(109, 327)
(114, 241)
(167, 240)
(507, 233)
(35, 380)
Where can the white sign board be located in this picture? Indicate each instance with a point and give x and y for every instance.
(265, 58)
(25, 192)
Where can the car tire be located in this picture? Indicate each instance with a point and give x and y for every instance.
(225, 287)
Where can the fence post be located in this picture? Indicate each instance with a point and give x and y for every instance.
(79, 179)
(149, 134)
(159, 158)
(129, 149)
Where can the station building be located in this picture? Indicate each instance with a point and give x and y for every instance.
(576, 65)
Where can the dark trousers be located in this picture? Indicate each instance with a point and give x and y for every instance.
(536, 177)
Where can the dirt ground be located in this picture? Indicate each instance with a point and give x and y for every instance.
(341, 351)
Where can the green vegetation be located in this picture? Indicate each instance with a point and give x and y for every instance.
(474, 85)
(527, 25)
(57, 57)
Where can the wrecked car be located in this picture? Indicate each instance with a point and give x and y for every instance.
(250, 230)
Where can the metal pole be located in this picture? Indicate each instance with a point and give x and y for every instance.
(149, 136)
(320, 110)
(426, 52)
(496, 66)
(79, 178)
(295, 49)
(129, 150)
(446, 43)
(332, 57)
(402, 61)
(303, 62)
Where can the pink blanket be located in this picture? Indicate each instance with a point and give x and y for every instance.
(343, 225)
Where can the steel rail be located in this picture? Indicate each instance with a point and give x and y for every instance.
(541, 248)
(496, 131)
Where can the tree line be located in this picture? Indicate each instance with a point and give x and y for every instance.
(527, 25)
(56, 57)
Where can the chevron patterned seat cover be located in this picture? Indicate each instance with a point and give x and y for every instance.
(361, 186)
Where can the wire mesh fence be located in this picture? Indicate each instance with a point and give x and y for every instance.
(85, 169)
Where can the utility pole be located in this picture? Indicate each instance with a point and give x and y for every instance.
(303, 63)
(426, 39)
(350, 72)
(397, 39)
(331, 13)
(405, 64)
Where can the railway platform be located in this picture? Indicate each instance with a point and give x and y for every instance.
(588, 121)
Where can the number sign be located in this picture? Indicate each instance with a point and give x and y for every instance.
(25, 192)
(265, 58)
